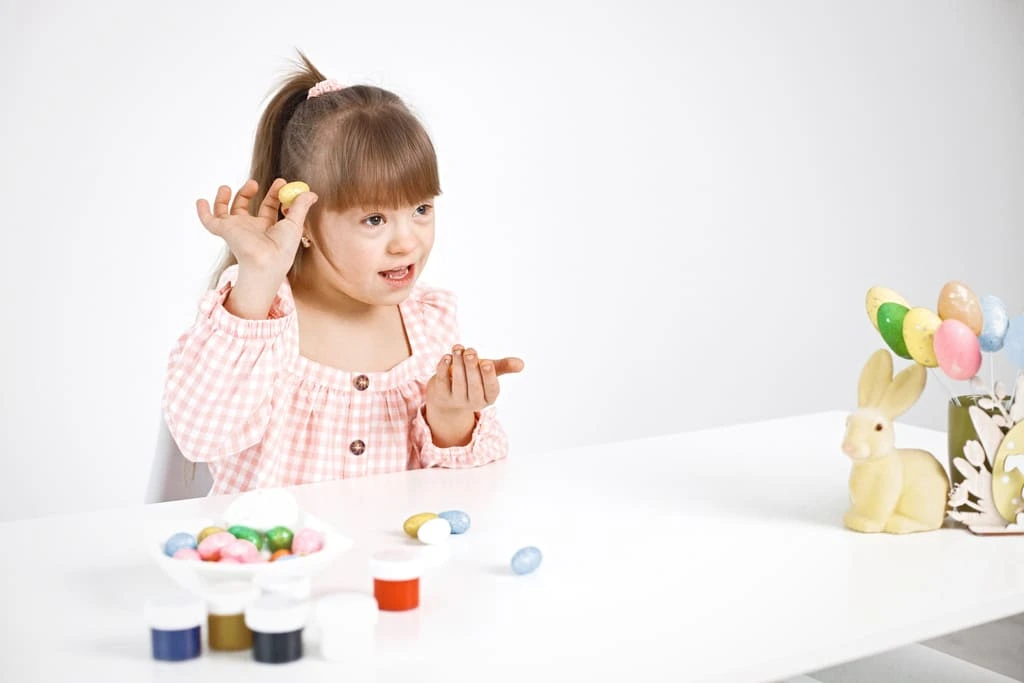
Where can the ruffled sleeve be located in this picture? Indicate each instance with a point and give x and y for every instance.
(221, 374)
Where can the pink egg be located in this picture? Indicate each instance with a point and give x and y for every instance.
(307, 541)
(957, 349)
(211, 546)
(187, 554)
(241, 550)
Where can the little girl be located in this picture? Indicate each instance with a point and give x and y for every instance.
(317, 354)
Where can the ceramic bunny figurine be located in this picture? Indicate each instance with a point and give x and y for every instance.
(895, 490)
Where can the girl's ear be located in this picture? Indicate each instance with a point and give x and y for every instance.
(875, 379)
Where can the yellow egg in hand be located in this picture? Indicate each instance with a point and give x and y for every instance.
(919, 328)
(290, 191)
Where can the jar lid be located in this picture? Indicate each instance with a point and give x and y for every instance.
(396, 565)
(175, 611)
(276, 614)
(230, 597)
(298, 587)
(347, 609)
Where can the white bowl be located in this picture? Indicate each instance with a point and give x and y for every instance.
(196, 575)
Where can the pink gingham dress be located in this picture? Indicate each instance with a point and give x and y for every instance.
(241, 398)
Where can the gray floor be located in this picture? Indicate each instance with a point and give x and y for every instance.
(990, 653)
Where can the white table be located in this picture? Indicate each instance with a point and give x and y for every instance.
(710, 556)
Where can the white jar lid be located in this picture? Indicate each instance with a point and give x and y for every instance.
(347, 609)
(276, 614)
(230, 597)
(174, 612)
(298, 587)
(396, 565)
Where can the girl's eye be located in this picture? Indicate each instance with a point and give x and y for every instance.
(423, 209)
(374, 221)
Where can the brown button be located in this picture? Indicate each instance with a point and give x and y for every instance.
(361, 382)
(357, 447)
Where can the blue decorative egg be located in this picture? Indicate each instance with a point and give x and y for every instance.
(458, 520)
(178, 541)
(526, 560)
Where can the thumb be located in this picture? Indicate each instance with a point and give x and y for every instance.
(505, 366)
(296, 213)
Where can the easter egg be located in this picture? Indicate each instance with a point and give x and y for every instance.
(279, 538)
(458, 520)
(208, 531)
(878, 296)
(178, 541)
(526, 560)
(278, 554)
(957, 350)
(434, 531)
(251, 535)
(240, 549)
(995, 322)
(186, 554)
(307, 541)
(919, 327)
(890, 324)
(211, 546)
(290, 192)
(413, 524)
(958, 302)
(1006, 485)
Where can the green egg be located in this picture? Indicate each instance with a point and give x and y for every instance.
(248, 534)
(890, 324)
(279, 538)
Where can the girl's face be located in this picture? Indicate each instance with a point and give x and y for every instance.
(373, 255)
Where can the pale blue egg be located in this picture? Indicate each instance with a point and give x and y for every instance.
(178, 541)
(1014, 342)
(995, 323)
(458, 520)
(526, 560)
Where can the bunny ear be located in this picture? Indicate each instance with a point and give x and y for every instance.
(903, 391)
(875, 379)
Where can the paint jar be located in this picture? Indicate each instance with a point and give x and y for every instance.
(225, 606)
(347, 622)
(396, 579)
(175, 620)
(276, 622)
(298, 587)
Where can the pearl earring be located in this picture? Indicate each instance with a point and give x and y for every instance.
(305, 241)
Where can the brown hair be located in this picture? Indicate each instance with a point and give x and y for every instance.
(358, 146)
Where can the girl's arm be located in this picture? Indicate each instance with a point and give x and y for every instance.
(221, 372)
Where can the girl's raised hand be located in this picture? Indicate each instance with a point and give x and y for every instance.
(260, 243)
(465, 383)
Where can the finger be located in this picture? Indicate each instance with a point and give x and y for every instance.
(505, 366)
(474, 382)
(271, 204)
(297, 213)
(490, 379)
(444, 372)
(220, 202)
(458, 375)
(205, 217)
(240, 207)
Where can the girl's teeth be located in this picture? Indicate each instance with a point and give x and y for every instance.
(397, 274)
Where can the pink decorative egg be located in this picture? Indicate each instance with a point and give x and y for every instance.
(307, 541)
(187, 554)
(211, 546)
(240, 549)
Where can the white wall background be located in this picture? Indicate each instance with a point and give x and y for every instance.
(671, 210)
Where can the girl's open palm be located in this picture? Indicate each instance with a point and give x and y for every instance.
(262, 242)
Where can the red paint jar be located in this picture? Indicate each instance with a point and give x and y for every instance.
(396, 579)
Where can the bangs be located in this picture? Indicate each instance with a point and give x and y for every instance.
(379, 158)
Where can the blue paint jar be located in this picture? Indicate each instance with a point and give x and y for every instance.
(276, 622)
(175, 620)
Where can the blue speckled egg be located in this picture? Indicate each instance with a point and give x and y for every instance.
(526, 560)
(458, 519)
(178, 541)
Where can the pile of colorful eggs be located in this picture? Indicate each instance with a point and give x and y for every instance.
(432, 528)
(243, 545)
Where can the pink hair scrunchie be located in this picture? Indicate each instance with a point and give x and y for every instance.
(320, 88)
